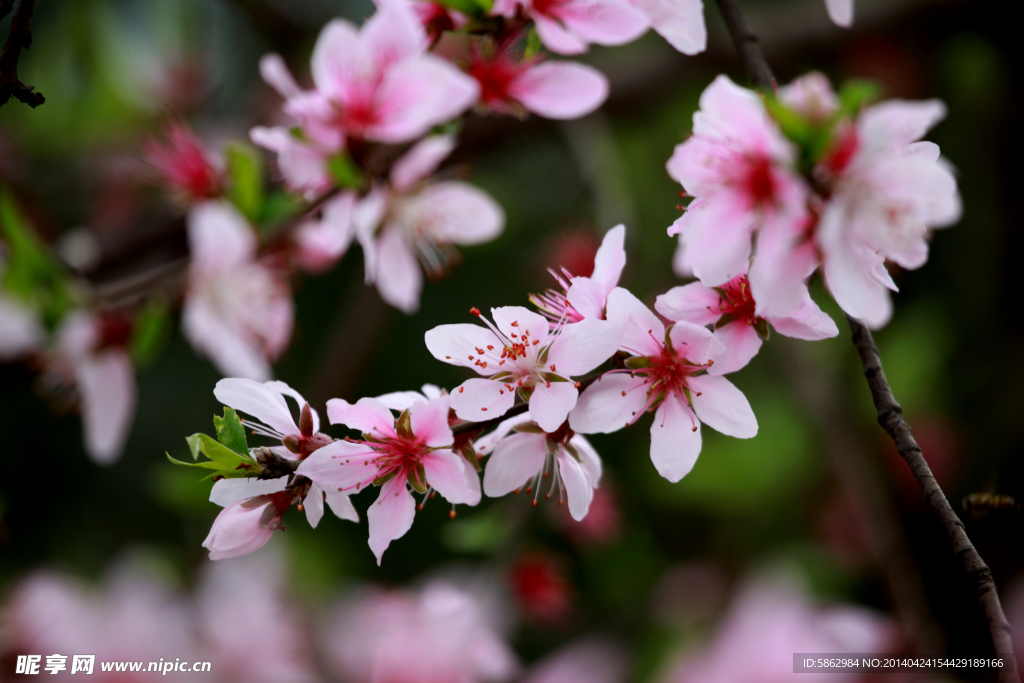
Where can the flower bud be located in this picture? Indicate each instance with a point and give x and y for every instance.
(245, 527)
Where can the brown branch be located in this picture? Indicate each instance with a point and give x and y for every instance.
(890, 415)
(19, 38)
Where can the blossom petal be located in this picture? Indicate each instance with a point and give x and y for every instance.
(722, 406)
(390, 516)
(477, 399)
(675, 444)
(401, 400)
(693, 303)
(578, 488)
(393, 33)
(587, 297)
(277, 75)
(230, 491)
(336, 56)
(610, 258)
(489, 441)
(581, 347)
(550, 404)
(368, 415)
(605, 22)
(398, 276)
(313, 504)
(591, 460)
(445, 473)
(695, 343)
(609, 404)
(285, 390)
(680, 22)
(556, 38)
(840, 12)
(741, 343)
(718, 231)
(340, 466)
(899, 122)
(560, 90)
(218, 237)
(455, 344)
(429, 422)
(341, 506)
(516, 459)
(20, 331)
(807, 321)
(263, 401)
(107, 385)
(517, 320)
(233, 354)
(642, 331)
(322, 242)
(455, 212)
(420, 161)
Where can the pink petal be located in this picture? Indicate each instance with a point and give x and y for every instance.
(237, 531)
(675, 444)
(341, 506)
(736, 117)
(642, 332)
(390, 516)
(556, 38)
(695, 343)
(276, 74)
(107, 385)
(680, 22)
(488, 442)
(323, 242)
(430, 422)
(550, 404)
(401, 400)
(515, 460)
(840, 12)
(285, 390)
(366, 218)
(368, 415)
(230, 491)
(560, 90)
(693, 303)
(602, 408)
(899, 122)
(578, 488)
(340, 466)
(807, 321)
(231, 350)
(418, 94)
(445, 473)
(581, 347)
(718, 233)
(721, 406)
(20, 331)
(848, 268)
(610, 259)
(516, 320)
(591, 460)
(741, 344)
(336, 58)
(218, 237)
(398, 276)
(587, 297)
(605, 22)
(313, 504)
(477, 400)
(455, 212)
(778, 276)
(262, 401)
(454, 344)
(394, 33)
(420, 161)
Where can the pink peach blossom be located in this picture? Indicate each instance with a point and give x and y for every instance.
(586, 296)
(414, 450)
(669, 372)
(588, 660)
(519, 353)
(237, 310)
(568, 27)
(739, 322)
(184, 164)
(245, 526)
(680, 22)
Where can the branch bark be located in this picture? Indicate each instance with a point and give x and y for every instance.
(890, 415)
(19, 38)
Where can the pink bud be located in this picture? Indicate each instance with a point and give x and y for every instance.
(183, 163)
(245, 527)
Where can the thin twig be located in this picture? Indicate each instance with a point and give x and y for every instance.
(19, 38)
(890, 416)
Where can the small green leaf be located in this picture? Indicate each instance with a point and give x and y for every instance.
(469, 7)
(344, 171)
(245, 171)
(278, 206)
(855, 94)
(230, 431)
(218, 452)
(206, 464)
(150, 332)
(637, 362)
(532, 43)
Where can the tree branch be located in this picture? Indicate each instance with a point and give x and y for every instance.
(19, 38)
(890, 415)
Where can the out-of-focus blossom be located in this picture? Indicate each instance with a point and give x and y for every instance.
(519, 353)
(522, 455)
(419, 222)
(436, 17)
(250, 591)
(512, 84)
(586, 296)
(401, 401)
(673, 372)
(439, 634)
(590, 660)
(245, 526)
(811, 96)
(304, 163)
(183, 164)
(888, 190)
(542, 590)
(413, 450)
(737, 167)
(568, 27)
(769, 620)
(20, 329)
(680, 22)
(603, 523)
(840, 11)
(92, 350)
(739, 325)
(377, 83)
(321, 241)
(237, 310)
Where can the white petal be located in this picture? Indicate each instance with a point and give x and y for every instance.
(368, 415)
(341, 506)
(581, 347)
(741, 344)
(390, 516)
(398, 276)
(515, 460)
(219, 237)
(722, 406)
(314, 505)
(550, 404)
(107, 385)
(642, 332)
(609, 404)
(445, 473)
(229, 491)
(420, 161)
(675, 444)
(455, 344)
(477, 400)
(578, 488)
(263, 401)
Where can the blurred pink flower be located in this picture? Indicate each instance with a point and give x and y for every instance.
(92, 349)
(680, 22)
(439, 634)
(20, 328)
(543, 592)
(522, 455)
(589, 660)
(840, 12)
(603, 523)
(568, 27)
(237, 310)
(532, 359)
(320, 241)
(586, 296)
(512, 84)
(394, 454)
(770, 619)
(672, 371)
(184, 164)
(739, 324)
(737, 167)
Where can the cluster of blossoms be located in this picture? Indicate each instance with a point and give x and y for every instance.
(809, 180)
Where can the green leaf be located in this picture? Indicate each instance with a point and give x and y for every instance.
(206, 464)
(855, 94)
(344, 171)
(216, 451)
(230, 431)
(532, 43)
(150, 332)
(245, 171)
(277, 207)
(469, 7)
